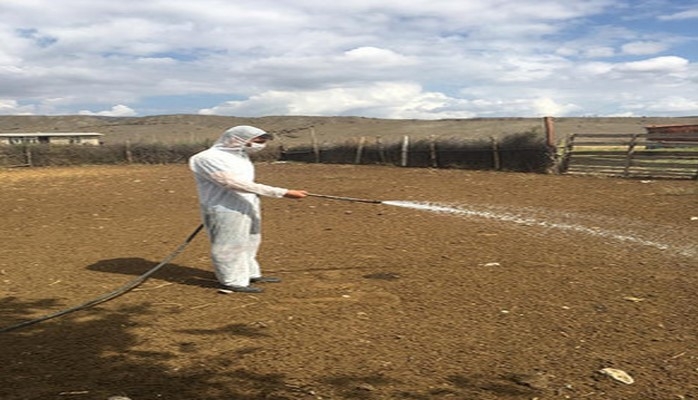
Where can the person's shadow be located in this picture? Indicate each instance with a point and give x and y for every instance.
(169, 272)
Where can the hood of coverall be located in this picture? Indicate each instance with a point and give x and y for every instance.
(236, 137)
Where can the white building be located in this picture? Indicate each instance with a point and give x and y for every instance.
(60, 138)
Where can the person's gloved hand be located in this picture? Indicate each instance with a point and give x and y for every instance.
(296, 194)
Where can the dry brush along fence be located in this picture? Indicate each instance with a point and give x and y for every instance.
(525, 152)
(522, 152)
(44, 155)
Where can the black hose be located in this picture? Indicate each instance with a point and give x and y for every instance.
(116, 293)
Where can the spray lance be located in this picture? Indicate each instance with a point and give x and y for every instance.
(352, 199)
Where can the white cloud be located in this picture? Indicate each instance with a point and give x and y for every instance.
(526, 69)
(12, 107)
(383, 58)
(382, 99)
(643, 48)
(672, 104)
(667, 64)
(376, 57)
(388, 100)
(546, 106)
(116, 111)
(599, 52)
(683, 15)
(593, 69)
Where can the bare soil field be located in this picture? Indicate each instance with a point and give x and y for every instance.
(520, 286)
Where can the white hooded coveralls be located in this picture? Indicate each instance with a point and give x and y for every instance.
(228, 197)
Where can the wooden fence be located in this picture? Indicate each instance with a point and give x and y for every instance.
(45, 155)
(642, 155)
(523, 153)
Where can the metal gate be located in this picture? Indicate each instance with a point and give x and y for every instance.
(630, 155)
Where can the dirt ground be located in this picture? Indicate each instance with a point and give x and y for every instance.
(528, 288)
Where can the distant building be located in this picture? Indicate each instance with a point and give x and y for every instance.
(59, 138)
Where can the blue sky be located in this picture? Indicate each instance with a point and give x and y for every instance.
(422, 59)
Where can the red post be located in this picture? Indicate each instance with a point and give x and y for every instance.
(549, 132)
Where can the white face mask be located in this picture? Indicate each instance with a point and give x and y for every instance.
(255, 147)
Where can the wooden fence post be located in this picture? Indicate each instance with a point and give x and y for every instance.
(495, 154)
(316, 148)
(567, 154)
(360, 150)
(549, 132)
(28, 156)
(629, 156)
(129, 154)
(551, 144)
(432, 151)
(381, 150)
(405, 150)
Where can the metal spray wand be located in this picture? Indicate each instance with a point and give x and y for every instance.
(324, 196)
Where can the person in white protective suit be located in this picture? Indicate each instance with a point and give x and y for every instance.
(229, 201)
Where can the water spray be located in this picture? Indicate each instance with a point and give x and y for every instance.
(504, 216)
(397, 203)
